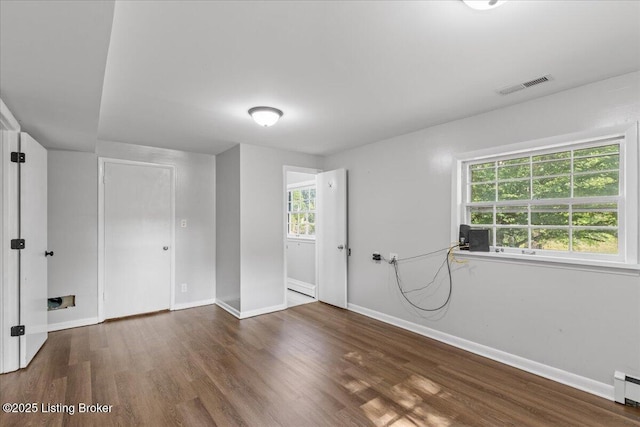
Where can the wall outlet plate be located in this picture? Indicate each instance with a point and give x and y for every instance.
(183, 287)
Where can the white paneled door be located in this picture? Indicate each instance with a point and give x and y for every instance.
(331, 237)
(137, 226)
(33, 262)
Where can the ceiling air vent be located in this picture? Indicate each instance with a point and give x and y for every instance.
(534, 82)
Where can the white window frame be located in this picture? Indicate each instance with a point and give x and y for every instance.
(628, 204)
(311, 185)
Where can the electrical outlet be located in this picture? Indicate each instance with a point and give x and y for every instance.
(183, 287)
(393, 257)
(183, 224)
(376, 256)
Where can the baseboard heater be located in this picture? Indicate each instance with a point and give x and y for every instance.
(627, 389)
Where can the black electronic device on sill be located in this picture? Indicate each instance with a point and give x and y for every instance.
(473, 239)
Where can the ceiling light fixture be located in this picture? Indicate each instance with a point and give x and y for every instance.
(265, 116)
(483, 4)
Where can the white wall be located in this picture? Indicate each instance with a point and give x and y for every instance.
(228, 227)
(262, 232)
(574, 319)
(195, 202)
(73, 226)
(301, 260)
(73, 234)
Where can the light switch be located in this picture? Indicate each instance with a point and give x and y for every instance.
(183, 223)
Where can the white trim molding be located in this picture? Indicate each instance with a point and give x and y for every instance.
(226, 307)
(73, 324)
(7, 119)
(260, 311)
(567, 378)
(185, 305)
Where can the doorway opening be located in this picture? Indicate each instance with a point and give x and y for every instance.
(300, 266)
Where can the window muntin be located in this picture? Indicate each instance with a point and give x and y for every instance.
(301, 212)
(564, 201)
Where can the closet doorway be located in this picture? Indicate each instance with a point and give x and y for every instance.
(136, 235)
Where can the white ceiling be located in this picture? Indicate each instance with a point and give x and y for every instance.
(182, 75)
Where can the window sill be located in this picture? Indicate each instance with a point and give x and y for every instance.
(571, 263)
(302, 239)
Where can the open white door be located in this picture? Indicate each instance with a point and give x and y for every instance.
(33, 263)
(331, 237)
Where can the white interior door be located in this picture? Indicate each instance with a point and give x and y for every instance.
(10, 305)
(331, 237)
(138, 218)
(33, 263)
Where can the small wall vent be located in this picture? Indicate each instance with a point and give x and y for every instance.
(521, 86)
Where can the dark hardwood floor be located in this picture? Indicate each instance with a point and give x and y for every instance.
(311, 365)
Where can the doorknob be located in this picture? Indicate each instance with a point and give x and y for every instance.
(341, 247)
(165, 248)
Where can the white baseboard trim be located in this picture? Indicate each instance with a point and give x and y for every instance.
(573, 380)
(226, 307)
(259, 311)
(72, 324)
(193, 304)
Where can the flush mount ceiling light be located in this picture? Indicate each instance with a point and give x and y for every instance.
(483, 4)
(265, 116)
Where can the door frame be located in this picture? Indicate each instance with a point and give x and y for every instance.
(101, 240)
(285, 169)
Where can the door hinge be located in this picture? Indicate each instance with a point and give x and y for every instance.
(18, 157)
(349, 254)
(17, 331)
(17, 243)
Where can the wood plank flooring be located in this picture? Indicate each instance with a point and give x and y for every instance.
(311, 365)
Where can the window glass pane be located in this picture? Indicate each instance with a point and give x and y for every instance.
(512, 237)
(600, 163)
(295, 229)
(596, 184)
(305, 194)
(312, 193)
(514, 190)
(289, 207)
(599, 241)
(518, 161)
(551, 188)
(483, 193)
(595, 215)
(605, 149)
(550, 215)
(311, 218)
(512, 215)
(552, 156)
(289, 195)
(312, 229)
(552, 168)
(552, 239)
(512, 172)
(481, 215)
(482, 172)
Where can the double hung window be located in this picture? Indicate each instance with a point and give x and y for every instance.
(570, 200)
